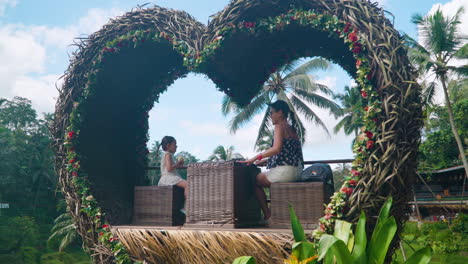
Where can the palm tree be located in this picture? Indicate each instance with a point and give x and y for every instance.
(65, 229)
(352, 103)
(441, 42)
(293, 84)
(222, 153)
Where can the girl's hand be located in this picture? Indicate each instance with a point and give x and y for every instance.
(260, 162)
(180, 162)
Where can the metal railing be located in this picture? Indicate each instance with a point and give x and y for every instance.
(305, 163)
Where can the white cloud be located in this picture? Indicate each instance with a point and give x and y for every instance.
(329, 81)
(4, 4)
(381, 2)
(27, 50)
(243, 140)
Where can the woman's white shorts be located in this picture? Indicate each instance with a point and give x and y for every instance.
(284, 173)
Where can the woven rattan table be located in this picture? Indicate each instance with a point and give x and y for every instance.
(221, 194)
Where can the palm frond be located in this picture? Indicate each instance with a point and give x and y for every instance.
(265, 127)
(228, 105)
(460, 71)
(311, 65)
(428, 93)
(308, 113)
(462, 53)
(247, 113)
(344, 122)
(319, 101)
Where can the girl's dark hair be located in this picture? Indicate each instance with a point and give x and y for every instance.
(166, 141)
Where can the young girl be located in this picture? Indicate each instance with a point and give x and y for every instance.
(169, 175)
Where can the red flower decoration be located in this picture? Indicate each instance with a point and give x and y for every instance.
(359, 149)
(355, 172)
(357, 48)
(70, 134)
(101, 233)
(364, 94)
(366, 108)
(249, 24)
(352, 182)
(347, 190)
(347, 27)
(353, 37)
(105, 226)
(358, 63)
(369, 76)
(98, 217)
(71, 161)
(74, 173)
(112, 239)
(370, 144)
(369, 134)
(322, 227)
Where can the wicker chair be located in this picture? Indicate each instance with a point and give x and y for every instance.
(307, 198)
(158, 205)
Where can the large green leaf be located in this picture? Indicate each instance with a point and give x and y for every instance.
(360, 242)
(422, 256)
(383, 216)
(381, 240)
(337, 247)
(303, 250)
(244, 260)
(342, 230)
(296, 226)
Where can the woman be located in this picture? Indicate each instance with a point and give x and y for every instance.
(285, 161)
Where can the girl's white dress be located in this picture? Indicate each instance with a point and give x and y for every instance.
(168, 178)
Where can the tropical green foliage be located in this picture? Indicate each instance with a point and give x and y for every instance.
(28, 183)
(339, 174)
(65, 230)
(293, 84)
(224, 153)
(441, 43)
(352, 103)
(438, 149)
(449, 241)
(348, 247)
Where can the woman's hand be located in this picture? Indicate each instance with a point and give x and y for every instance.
(249, 161)
(260, 162)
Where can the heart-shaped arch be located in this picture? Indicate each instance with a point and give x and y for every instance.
(119, 72)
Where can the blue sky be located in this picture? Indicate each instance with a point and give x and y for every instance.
(34, 49)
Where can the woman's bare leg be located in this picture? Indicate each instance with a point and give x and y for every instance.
(262, 182)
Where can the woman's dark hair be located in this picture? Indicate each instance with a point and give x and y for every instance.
(282, 106)
(166, 141)
(288, 114)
